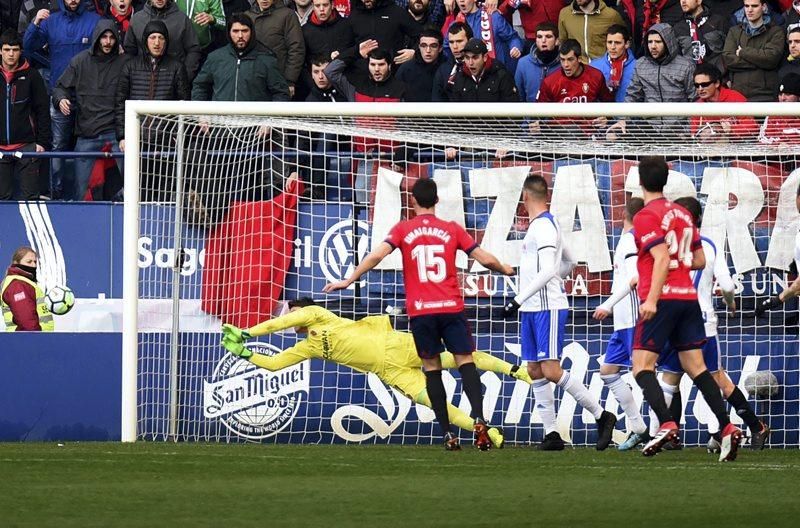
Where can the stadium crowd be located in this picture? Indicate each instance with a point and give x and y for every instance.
(70, 65)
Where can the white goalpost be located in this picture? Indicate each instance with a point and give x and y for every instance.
(231, 209)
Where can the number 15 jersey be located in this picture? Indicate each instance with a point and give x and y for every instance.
(661, 221)
(429, 245)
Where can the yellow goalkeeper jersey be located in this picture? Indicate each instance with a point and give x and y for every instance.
(368, 345)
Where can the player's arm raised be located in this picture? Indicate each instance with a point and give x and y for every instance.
(660, 268)
(489, 261)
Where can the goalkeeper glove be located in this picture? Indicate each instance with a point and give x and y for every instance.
(510, 309)
(236, 348)
(234, 333)
(767, 304)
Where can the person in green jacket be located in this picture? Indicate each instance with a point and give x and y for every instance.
(244, 70)
(205, 15)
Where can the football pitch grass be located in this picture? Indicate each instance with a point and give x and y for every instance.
(168, 484)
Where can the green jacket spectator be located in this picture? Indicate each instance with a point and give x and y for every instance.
(205, 15)
(241, 71)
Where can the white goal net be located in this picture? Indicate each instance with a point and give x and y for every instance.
(259, 204)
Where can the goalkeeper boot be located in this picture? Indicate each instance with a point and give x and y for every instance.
(497, 438)
(729, 447)
(760, 439)
(605, 429)
(633, 440)
(481, 430)
(552, 442)
(451, 442)
(521, 373)
(668, 432)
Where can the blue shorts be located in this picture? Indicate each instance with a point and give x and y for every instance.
(670, 362)
(543, 334)
(620, 348)
(432, 333)
(679, 323)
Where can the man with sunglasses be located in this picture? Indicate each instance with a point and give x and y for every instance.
(709, 89)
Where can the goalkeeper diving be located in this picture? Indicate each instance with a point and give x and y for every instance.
(368, 345)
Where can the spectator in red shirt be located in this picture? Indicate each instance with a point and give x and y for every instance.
(719, 129)
(575, 82)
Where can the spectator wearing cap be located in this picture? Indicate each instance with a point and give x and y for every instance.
(753, 52)
(183, 44)
(707, 82)
(539, 63)
(482, 79)
(500, 38)
(418, 74)
(791, 63)
(783, 130)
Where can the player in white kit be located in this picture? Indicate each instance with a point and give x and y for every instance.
(625, 305)
(716, 268)
(543, 306)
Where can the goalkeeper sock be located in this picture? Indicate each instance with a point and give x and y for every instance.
(647, 380)
(438, 397)
(545, 404)
(624, 395)
(581, 394)
(744, 410)
(472, 386)
(708, 386)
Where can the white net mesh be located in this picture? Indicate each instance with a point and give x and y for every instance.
(221, 190)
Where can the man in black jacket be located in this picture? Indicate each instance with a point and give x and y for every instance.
(701, 34)
(385, 24)
(152, 75)
(418, 74)
(482, 79)
(86, 90)
(26, 116)
(327, 33)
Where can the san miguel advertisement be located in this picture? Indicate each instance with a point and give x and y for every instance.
(750, 211)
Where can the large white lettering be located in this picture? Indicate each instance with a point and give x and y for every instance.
(575, 190)
(505, 185)
(787, 223)
(723, 223)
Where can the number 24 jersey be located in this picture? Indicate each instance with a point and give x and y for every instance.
(429, 245)
(662, 221)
